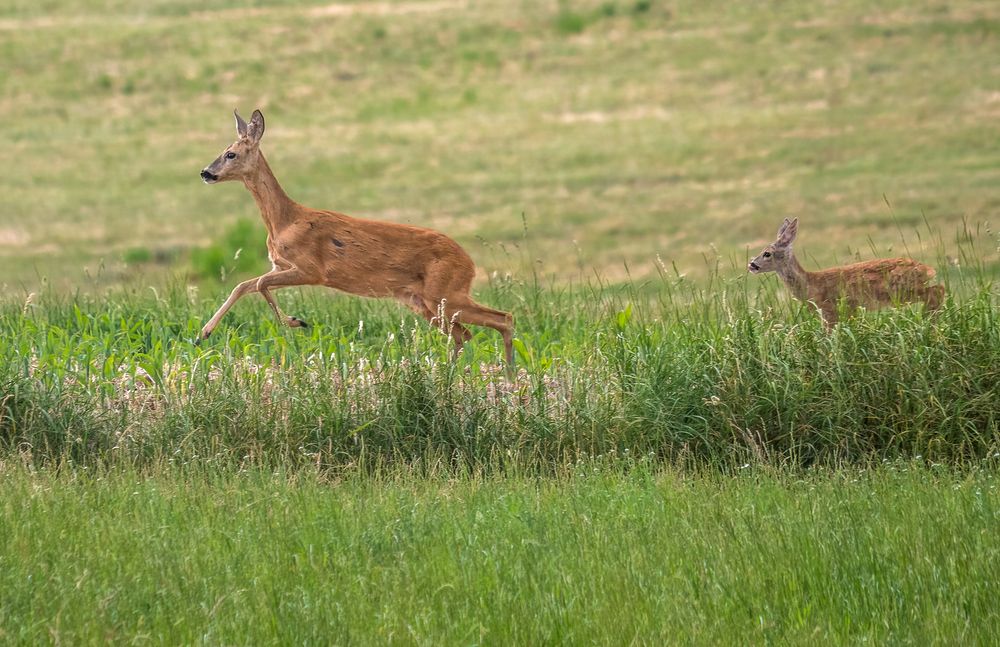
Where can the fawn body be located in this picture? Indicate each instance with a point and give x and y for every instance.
(424, 269)
(870, 284)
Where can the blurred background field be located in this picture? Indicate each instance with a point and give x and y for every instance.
(563, 138)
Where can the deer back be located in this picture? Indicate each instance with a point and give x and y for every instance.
(872, 284)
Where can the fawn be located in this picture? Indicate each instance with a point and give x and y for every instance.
(425, 270)
(871, 284)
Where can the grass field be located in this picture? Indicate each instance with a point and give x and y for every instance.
(685, 456)
(900, 555)
(716, 376)
(702, 471)
(621, 130)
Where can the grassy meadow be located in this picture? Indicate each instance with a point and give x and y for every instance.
(622, 130)
(685, 455)
(902, 556)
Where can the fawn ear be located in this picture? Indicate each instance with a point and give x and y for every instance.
(781, 229)
(241, 126)
(255, 129)
(788, 231)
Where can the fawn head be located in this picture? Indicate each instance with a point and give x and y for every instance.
(241, 157)
(775, 254)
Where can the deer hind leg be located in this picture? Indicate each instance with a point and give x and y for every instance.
(468, 311)
(282, 279)
(459, 333)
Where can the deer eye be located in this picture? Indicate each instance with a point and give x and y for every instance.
(767, 254)
(230, 155)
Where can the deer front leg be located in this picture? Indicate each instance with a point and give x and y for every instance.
(282, 279)
(243, 288)
(260, 284)
(829, 316)
(933, 298)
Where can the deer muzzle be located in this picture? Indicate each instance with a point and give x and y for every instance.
(209, 177)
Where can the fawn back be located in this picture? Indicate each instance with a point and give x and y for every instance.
(873, 284)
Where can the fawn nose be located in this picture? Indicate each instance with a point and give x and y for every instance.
(209, 177)
(753, 267)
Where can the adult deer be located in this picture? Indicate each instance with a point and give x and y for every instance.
(872, 284)
(429, 272)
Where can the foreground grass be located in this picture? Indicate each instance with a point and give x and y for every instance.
(900, 554)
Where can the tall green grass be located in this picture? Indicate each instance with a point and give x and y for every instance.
(192, 555)
(724, 374)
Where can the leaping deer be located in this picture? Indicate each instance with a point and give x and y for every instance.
(873, 284)
(426, 270)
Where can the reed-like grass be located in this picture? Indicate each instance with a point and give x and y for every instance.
(899, 555)
(720, 374)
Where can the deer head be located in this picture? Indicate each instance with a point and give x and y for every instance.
(241, 157)
(777, 253)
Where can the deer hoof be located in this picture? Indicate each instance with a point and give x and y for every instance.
(295, 322)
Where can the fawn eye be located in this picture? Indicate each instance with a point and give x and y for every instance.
(767, 254)
(230, 155)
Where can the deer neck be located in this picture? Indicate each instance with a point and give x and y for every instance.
(795, 277)
(276, 208)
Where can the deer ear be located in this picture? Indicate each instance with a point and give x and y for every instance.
(255, 129)
(788, 231)
(781, 229)
(241, 126)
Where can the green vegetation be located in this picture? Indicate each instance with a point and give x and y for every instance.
(716, 376)
(239, 251)
(898, 555)
(685, 456)
(622, 130)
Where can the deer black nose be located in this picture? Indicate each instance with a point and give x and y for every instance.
(205, 175)
(754, 267)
